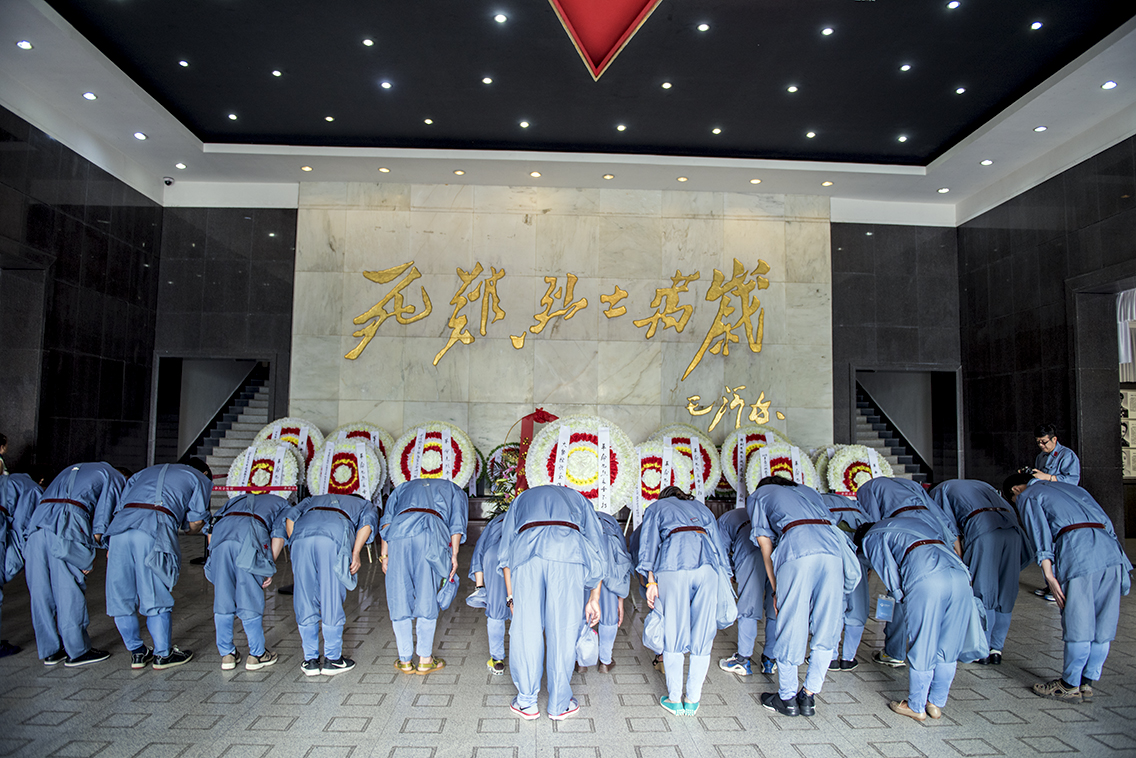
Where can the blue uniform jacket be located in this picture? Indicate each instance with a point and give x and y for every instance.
(19, 496)
(1062, 463)
(1047, 507)
(585, 545)
(617, 578)
(489, 539)
(435, 506)
(254, 534)
(69, 506)
(883, 497)
(977, 509)
(661, 548)
(347, 515)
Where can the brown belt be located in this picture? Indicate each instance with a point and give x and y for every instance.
(67, 501)
(1083, 525)
(676, 530)
(842, 510)
(909, 508)
(802, 522)
(423, 510)
(333, 510)
(246, 513)
(920, 543)
(151, 507)
(534, 524)
(972, 514)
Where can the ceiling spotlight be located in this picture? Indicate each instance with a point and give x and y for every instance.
(1109, 85)
(791, 88)
(953, 4)
(232, 117)
(385, 85)
(826, 184)
(305, 168)
(459, 172)
(944, 190)
(90, 96)
(524, 125)
(277, 72)
(1040, 128)
(384, 170)
(755, 181)
(986, 162)
(960, 90)
(368, 42)
(715, 130)
(534, 174)
(24, 45)
(902, 138)
(905, 67)
(272, 234)
(500, 18)
(179, 166)
(683, 179)
(486, 80)
(329, 119)
(667, 85)
(609, 176)
(183, 64)
(139, 135)
(621, 128)
(1035, 25)
(810, 135)
(826, 30)
(427, 121)
(704, 27)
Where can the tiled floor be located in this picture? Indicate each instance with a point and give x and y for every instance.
(198, 710)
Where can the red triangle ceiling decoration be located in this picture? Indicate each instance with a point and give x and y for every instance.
(600, 28)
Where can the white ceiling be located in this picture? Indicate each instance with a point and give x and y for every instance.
(45, 86)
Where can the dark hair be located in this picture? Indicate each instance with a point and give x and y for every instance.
(675, 491)
(1045, 430)
(3, 440)
(200, 465)
(778, 480)
(124, 471)
(858, 535)
(1013, 480)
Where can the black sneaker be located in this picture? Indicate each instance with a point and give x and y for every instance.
(140, 657)
(311, 667)
(175, 658)
(848, 665)
(7, 648)
(806, 703)
(91, 656)
(338, 666)
(773, 702)
(55, 658)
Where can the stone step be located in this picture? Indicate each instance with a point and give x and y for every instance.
(247, 426)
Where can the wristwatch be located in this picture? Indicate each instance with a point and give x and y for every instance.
(509, 601)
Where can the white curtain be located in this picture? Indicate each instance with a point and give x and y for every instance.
(1125, 312)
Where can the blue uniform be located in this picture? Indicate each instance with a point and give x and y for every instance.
(19, 496)
(240, 559)
(60, 547)
(616, 584)
(813, 565)
(420, 518)
(882, 498)
(1062, 463)
(755, 593)
(551, 567)
(680, 543)
(848, 515)
(924, 573)
(143, 554)
(1070, 529)
(484, 560)
(324, 530)
(994, 548)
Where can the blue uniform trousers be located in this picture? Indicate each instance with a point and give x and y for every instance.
(938, 608)
(810, 602)
(547, 598)
(318, 596)
(855, 616)
(236, 593)
(58, 600)
(496, 612)
(1088, 623)
(609, 623)
(690, 606)
(133, 588)
(412, 593)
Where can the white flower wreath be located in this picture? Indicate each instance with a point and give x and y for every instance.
(376, 435)
(650, 455)
(267, 464)
(346, 467)
(755, 437)
(582, 469)
(850, 467)
(294, 431)
(401, 460)
(781, 464)
(820, 461)
(682, 436)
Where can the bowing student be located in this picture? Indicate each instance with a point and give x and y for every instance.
(59, 553)
(422, 525)
(245, 539)
(489, 592)
(755, 594)
(614, 589)
(19, 496)
(848, 515)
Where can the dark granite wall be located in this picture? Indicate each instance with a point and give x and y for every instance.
(226, 288)
(1038, 320)
(78, 266)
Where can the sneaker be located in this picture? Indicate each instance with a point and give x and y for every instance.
(1058, 690)
(230, 661)
(736, 664)
(995, 658)
(573, 708)
(496, 667)
(806, 703)
(528, 713)
(848, 665)
(1049, 597)
(254, 662)
(435, 664)
(881, 657)
(175, 658)
(903, 709)
(311, 667)
(1041, 591)
(768, 665)
(86, 659)
(140, 657)
(689, 707)
(339, 666)
(1086, 690)
(7, 648)
(678, 709)
(773, 702)
(55, 658)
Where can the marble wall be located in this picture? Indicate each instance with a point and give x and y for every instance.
(588, 364)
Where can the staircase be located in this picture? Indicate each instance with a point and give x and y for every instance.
(235, 427)
(875, 431)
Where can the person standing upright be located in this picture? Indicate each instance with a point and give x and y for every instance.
(1055, 462)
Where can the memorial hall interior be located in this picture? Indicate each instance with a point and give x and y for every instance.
(932, 200)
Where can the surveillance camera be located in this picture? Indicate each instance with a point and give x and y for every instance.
(167, 180)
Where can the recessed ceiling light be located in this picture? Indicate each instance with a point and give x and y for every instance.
(791, 88)
(272, 234)
(953, 4)
(826, 184)
(755, 181)
(139, 135)
(810, 135)
(716, 130)
(667, 85)
(986, 162)
(385, 85)
(960, 90)
(90, 96)
(305, 168)
(609, 176)
(486, 80)
(459, 172)
(704, 27)
(24, 45)
(1035, 25)
(232, 117)
(944, 190)
(905, 67)
(902, 138)
(1109, 85)
(384, 170)
(427, 121)
(827, 30)
(621, 128)
(500, 18)
(183, 64)
(329, 119)
(179, 166)
(683, 179)
(524, 124)
(1040, 128)
(277, 72)
(867, 234)
(368, 42)
(534, 174)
